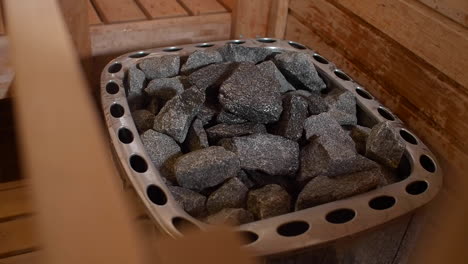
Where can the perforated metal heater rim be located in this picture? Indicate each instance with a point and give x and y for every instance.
(286, 233)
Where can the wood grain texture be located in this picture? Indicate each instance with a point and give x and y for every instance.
(439, 41)
(201, 7)
(163, 8)
(119, 10)
(278, 18)
(457, 10)
(120, 38)
(250, 18)
(93, 17)
(228, 4)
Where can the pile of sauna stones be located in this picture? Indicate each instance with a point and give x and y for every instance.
(245, 133)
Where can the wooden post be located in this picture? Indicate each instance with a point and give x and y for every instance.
(250, 18)
(278, 18)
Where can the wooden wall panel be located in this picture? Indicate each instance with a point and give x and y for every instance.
(163, 8)
(250, 18)
(119, 10)
(93, 17)
(457, 10)
(200, 7)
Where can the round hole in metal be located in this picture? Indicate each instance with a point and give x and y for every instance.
(183, 225)
(343, 76)
(156, 195)
(296, 45)
(294, 228)
(237, 41)
(204, 45)
(266, 40)
(408, 137)
(112, 88)
(427, 163)
(382, 202)
(340, 216)
(404, 168)
(320, 59)
(114, 68)
(138, 163)
(125, 135)
(117, 110)
(248, 237)
(172, 49)
(363, 93)
(416, 187)
(385, 113)
(140, 54)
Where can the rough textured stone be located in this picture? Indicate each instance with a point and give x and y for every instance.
(261, 179)
(267, 153)
(238, 53)
(160, 67)
(165, 88)
(211, 75)
(324, 124)
(175, 117)
(196, 137)
(232, 194)
(206, 168)
(199, 59)
(268, 201)
(207, 114)
(244, 178)
(192, 202)
(228, 118)
(291, 122)
(342, 105)
(385, 145)
(143, 120)
(326, 157)
(323, 189)
(315, 102)
(269, 69)
(162, 150)
(135, 82)
(251, 95)
(299, 69)
(230, 216)
(359, 134)
(220, 131)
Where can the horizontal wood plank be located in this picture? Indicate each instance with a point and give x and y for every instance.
(201, 7)
(457, 10)
(120, 38)
(119, 10)
(15, 202)
(163, 8)
(26, 258)
(93, 17)
(17, 236)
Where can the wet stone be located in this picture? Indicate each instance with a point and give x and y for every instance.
(239, 53)
(291, 122)
(192, 202)
(220, 131)
(269, 68)
(206, 168)
(231, 194)
(268, 201)
(175, 117)
(359, 134)
(385, 145)
(196, 137)
(165, 88)
(228, 118)
(324, 124)
(199, 59)
(271, 154)
(211, 75)
(230, 216)
(135, 82)
(143, 120)
(160, 67)
(251, 95)
(299, 69)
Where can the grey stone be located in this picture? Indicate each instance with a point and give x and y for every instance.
(165, 88)
(315, 102)
(291, 122)
(199, 59)
(192, 202)
(135, 82)
(323, 189)
(160, 67)
(389, 176)
(251, 95)
(232, 194)
(385, 145)
(175, 117)
(207, 114)
(143, 120)
(220, 131)
(261, 179)
(342, 105)
(230, 216)
(268, 201)
(239, 53)
(196, 137)
(299, 69)
(206, 168)
(228, 118)
(270, 69)
(244, 178)
(324, 124)
(271, 154)
(162, 150)
(359, 134)
(326, 157)
(343, 118)
(211, 75)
